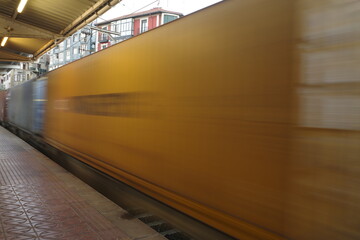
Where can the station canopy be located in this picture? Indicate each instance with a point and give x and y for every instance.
(43, 24)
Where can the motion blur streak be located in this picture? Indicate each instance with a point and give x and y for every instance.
(244, 116)
(211, 137)
(324, 190)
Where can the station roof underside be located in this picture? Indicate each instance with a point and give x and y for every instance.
(43, 24)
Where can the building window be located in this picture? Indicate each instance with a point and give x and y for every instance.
(83, 49)
(117, 26)
(68, 55)
(76, 50)
(61, 46)
(75, 37)
(103, 46)
(83, 37)
(126, 27)
(61, 57)
(169, 18)
(143, 25)
(103, 36)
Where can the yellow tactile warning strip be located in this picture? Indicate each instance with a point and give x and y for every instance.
(40, 200)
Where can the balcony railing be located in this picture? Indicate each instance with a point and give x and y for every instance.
(103, 40)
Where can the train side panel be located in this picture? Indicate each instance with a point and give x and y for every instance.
(3, 106)
(324, 177)
(39, 102)
(196, 114)
(20, 106)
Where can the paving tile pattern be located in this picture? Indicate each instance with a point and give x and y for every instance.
(36, 204)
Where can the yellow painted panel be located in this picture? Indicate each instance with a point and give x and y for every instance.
(208, 111)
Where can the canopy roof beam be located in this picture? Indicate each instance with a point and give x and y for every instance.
(18, 29)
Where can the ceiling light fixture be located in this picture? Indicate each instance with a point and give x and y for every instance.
(3, 42)
(21, 5)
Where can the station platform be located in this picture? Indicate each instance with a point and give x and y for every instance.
(41, 200)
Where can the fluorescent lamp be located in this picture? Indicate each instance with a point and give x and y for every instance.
(3, 42)
(21, 5)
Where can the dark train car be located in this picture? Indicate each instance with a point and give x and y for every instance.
(39, 103)
(3, 106)
(20, 106)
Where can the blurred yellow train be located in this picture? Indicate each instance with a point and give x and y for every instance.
(243, 116)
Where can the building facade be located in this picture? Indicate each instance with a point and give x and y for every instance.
(97, 36)
(80, 44)
(127, 26)
(24, 71)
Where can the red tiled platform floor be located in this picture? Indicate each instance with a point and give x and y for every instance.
(40, 200)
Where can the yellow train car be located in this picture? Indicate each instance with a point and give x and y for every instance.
(205, 115)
